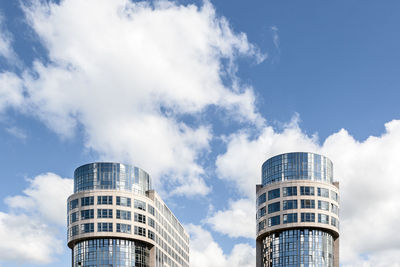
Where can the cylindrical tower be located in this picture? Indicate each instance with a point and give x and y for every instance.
(297, 212)
(115, 219)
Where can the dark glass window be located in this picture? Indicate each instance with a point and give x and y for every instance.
(274, 207)
(306, 190)
(290, 218)
(275, 193)
(151, 222)
(123, 215)
(123, 201)
(87, 201)
(140, 231)
(87, 227)
(308, 204)
(261, 212)
(307, 217)
(323, 192)
(74, 230)
(87, 214)
(274, 221)
(150, 234)
(261, 225)
(104, 213)
(104, 227)
(151, 209)
(74, 204)
(140, 204)
(323, 218)
(74, 217)
(289, 204)
(123, 228)
(104, 200)
(290, 191)
(261, 199)
(140, 218)
(333, 221)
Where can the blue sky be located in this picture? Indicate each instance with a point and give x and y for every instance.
(198, 94)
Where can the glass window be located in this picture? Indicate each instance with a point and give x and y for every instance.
(261, 212)
(275, 193)
(141, 205)
(140, 218)
(290, 191)
(261, 225)
(87, 214)
(151, 222)
(290, 218)
(87, 201)
(74, 217)
(274, 207)
(334, 209)
(123, 228)
(74, 230)
(308, 204)
(104, 227)
(87, 228)
(104, 200)
(306, 190)
(323, 192)
(273, 221)
(104, 213)
(150, 234)
(323, 205)
(140, 231)
(123, 201)
(307, 217)
(151, 209)
(323, 218)
(290, 204)
(333, 221)
(123, 215)
(334, 196)
(74, 204)
(261, 199)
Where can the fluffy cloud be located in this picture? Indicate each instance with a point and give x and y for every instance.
(205, 252)
(35, 226)
(132, 74)
(368, 175)
(6, 50)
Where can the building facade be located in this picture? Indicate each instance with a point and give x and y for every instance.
(297, 212)
(115, 219)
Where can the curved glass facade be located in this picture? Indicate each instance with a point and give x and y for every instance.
(301, 247)
(110, 252)
(116, 176)
(297, 166)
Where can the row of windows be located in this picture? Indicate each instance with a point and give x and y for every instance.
(292, 218)
(108, 214)
(292, 191)
(108, 227)
(292, 204)
(108, 200)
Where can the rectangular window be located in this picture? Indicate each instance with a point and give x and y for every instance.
(151, 222)
(123, 215)
(323, 218)
(123, 228)
(274, 221)
(104, 200)
(306, 190)
(73, 204)
(123, 201)
(272, 194)
(261, 212)
(87, 214)
(333, 221)
(87, 228)
(74, 217)
(323, 192)
(290, 191)
(307, 217)
(274, 207)
(151, 209)
(290, 218)
(140, 218)
(140, 205)
(261, 225)
(308, 204)
(140, 231)
(150, 234)
(334, 196)
(104, 227)
(323, 205)
(104, 213)
(334, 209)
(261, 199)
(290, 204)
(87, 201)
(74, 230)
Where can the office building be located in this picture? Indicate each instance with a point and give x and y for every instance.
(297, 212)
(115, 219)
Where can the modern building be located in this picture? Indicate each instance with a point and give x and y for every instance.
(297, 212)
(115, 219)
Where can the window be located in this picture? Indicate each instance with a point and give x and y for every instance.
(307, 217)
(308, 204)
(151, 209)
(87, 227)
(334, 196)
(274, 207)
(87, 201)
(290, 218)
(140, 205)
(306, 190)
(151, 222)
(290, 191)
(261, 225)
(87, 214)
(274, 221)
(104, 200)
(104, 213)
(289, 204)
(323, 205)
(261, 199)
(140, 231)
(261, 212)
(140, 218)
(74, 230)
(104, 227)
(74, 217)
(123, 215)
(323, 192)
(334, 209)
(123, 201)
(74, 204)
(150, 234)
(333, 221)
(275, 193)
(123, 228)
(323, 218)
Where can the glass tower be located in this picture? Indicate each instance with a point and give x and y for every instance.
(115, 219)
(297, 212)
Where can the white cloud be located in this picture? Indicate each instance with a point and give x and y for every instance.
(368, 175)
(275, 36)
(6, 49)
(127, 72)
(205, 252)
(17, 132)
(35, 226)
